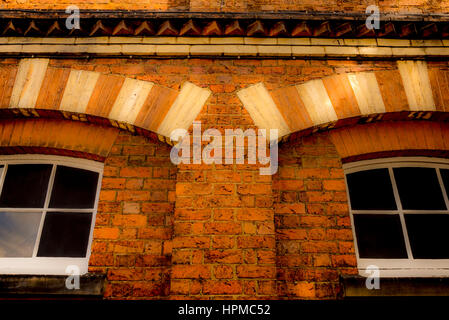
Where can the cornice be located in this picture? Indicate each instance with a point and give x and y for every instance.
(94, 23)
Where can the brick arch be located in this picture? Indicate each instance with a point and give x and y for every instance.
(314, 237)
(387, 139)
(58, 137)
(33, 88)
(412, 90)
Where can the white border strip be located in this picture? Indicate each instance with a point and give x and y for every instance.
(235, 46)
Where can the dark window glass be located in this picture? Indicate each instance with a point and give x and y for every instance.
(379, 236)
(65, 234)
(428, 235)
(74, 188)
(25, 186)
(445, 178)
(419, 189)
(371, 190)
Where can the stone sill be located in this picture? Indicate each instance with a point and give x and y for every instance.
(91, 285)
(354, 287)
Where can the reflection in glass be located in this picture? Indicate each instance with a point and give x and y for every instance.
(18, 233)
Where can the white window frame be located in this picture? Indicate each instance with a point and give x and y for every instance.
(400, 267)
(49, 265)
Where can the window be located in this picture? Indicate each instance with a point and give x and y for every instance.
(400, 215)
(47, 213)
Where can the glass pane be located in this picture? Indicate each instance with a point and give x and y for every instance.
(419, 189)
(65, 234)
(379, 236)
(445, 178)
(18, 233)
(74, 188)
(25, 186)
(428, 235)
(371, 190)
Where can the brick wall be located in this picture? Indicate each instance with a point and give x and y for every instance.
(224, 243)
(313, 231)
(399, 6)
(223, 231)
(134, 225)
(223, 224)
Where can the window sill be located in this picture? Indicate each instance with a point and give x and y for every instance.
(354, 286)
(91, 286)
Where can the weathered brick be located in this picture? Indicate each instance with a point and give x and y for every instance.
(190, 272)
(222, 287)
(106, 233)
(223, 256)
(255, 272)
(254, 214)
(136, 220)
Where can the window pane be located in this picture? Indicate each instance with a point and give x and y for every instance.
(445, 178)
(74, 188)
(25, 186)
(371, 190)
(419, 189)
(65, 234)
(379, 236)
(428, 234)
(18, 233)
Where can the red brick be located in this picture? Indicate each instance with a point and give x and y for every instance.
(283, 208)
(155, 233)
(223, 272)
(318, 246)
(106, 233)
(113, 183)
(254, 189)
(255, 242)
(223, 242)
(130, 172)
(344, 261)
(125, 274)
(193, 188)
(130, 195)
(191, 242)
(317, 221)
(190, 272)
(136, 220)
(134, 184)
(291, 234)
(101, 259)
(317, 173)
(223, 256)
(118, 290)
(256, 272)
(180, 287)
(149, 289)
(255, 214)
(223, 214)
(302, 289)
(192, 214)
(222, 228)
(222, 287)
(334, 185)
